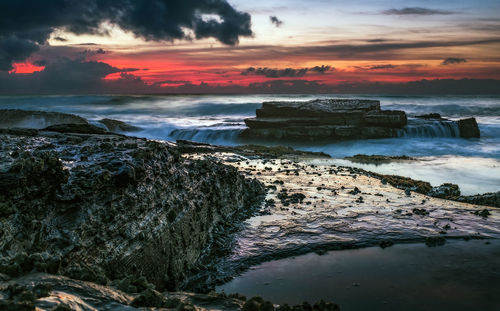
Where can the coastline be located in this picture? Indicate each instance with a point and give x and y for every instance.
(70, 188)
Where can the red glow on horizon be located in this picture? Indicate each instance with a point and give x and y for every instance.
(26, 68)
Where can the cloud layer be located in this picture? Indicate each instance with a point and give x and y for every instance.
(27, 24)
(286, 72)
(453, 61)
(415, 11)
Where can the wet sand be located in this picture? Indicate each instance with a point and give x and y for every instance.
(457, 276)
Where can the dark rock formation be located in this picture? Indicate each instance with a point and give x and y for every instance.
(446, 191)
(13, 118)
(324, 119)
(108, 207)
(336, 119)
(488, 199)
(118, 126)
(75, 128)
(378, 159)
(468, 128)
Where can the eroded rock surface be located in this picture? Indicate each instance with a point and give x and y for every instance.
(314, 206)
(106, 207)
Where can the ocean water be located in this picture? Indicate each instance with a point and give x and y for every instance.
(218, 119)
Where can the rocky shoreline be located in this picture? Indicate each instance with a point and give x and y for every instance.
(93, 219)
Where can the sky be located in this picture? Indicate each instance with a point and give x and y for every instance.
(241, 46)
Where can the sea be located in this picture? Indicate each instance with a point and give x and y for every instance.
(473, 164)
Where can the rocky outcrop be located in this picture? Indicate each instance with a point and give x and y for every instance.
(324, 119)
(13, 118)
(107, 207)
(118, 126)
(468, 128)
(336, 119)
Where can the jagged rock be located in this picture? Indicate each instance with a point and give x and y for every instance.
(118, 126)
(468, 128)
(105, 207)
(14, 118)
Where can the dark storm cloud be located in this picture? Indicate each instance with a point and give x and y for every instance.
(26, 24)
(416, 11)
(453, 61)
(13, 49)
(275, 20)
(65, 75)
(287, 72)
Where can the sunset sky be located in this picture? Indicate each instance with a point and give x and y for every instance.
(201, 44)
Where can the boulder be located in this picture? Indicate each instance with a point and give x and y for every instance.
(468, 128)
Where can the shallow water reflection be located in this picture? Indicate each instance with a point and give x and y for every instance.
(460, 275)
